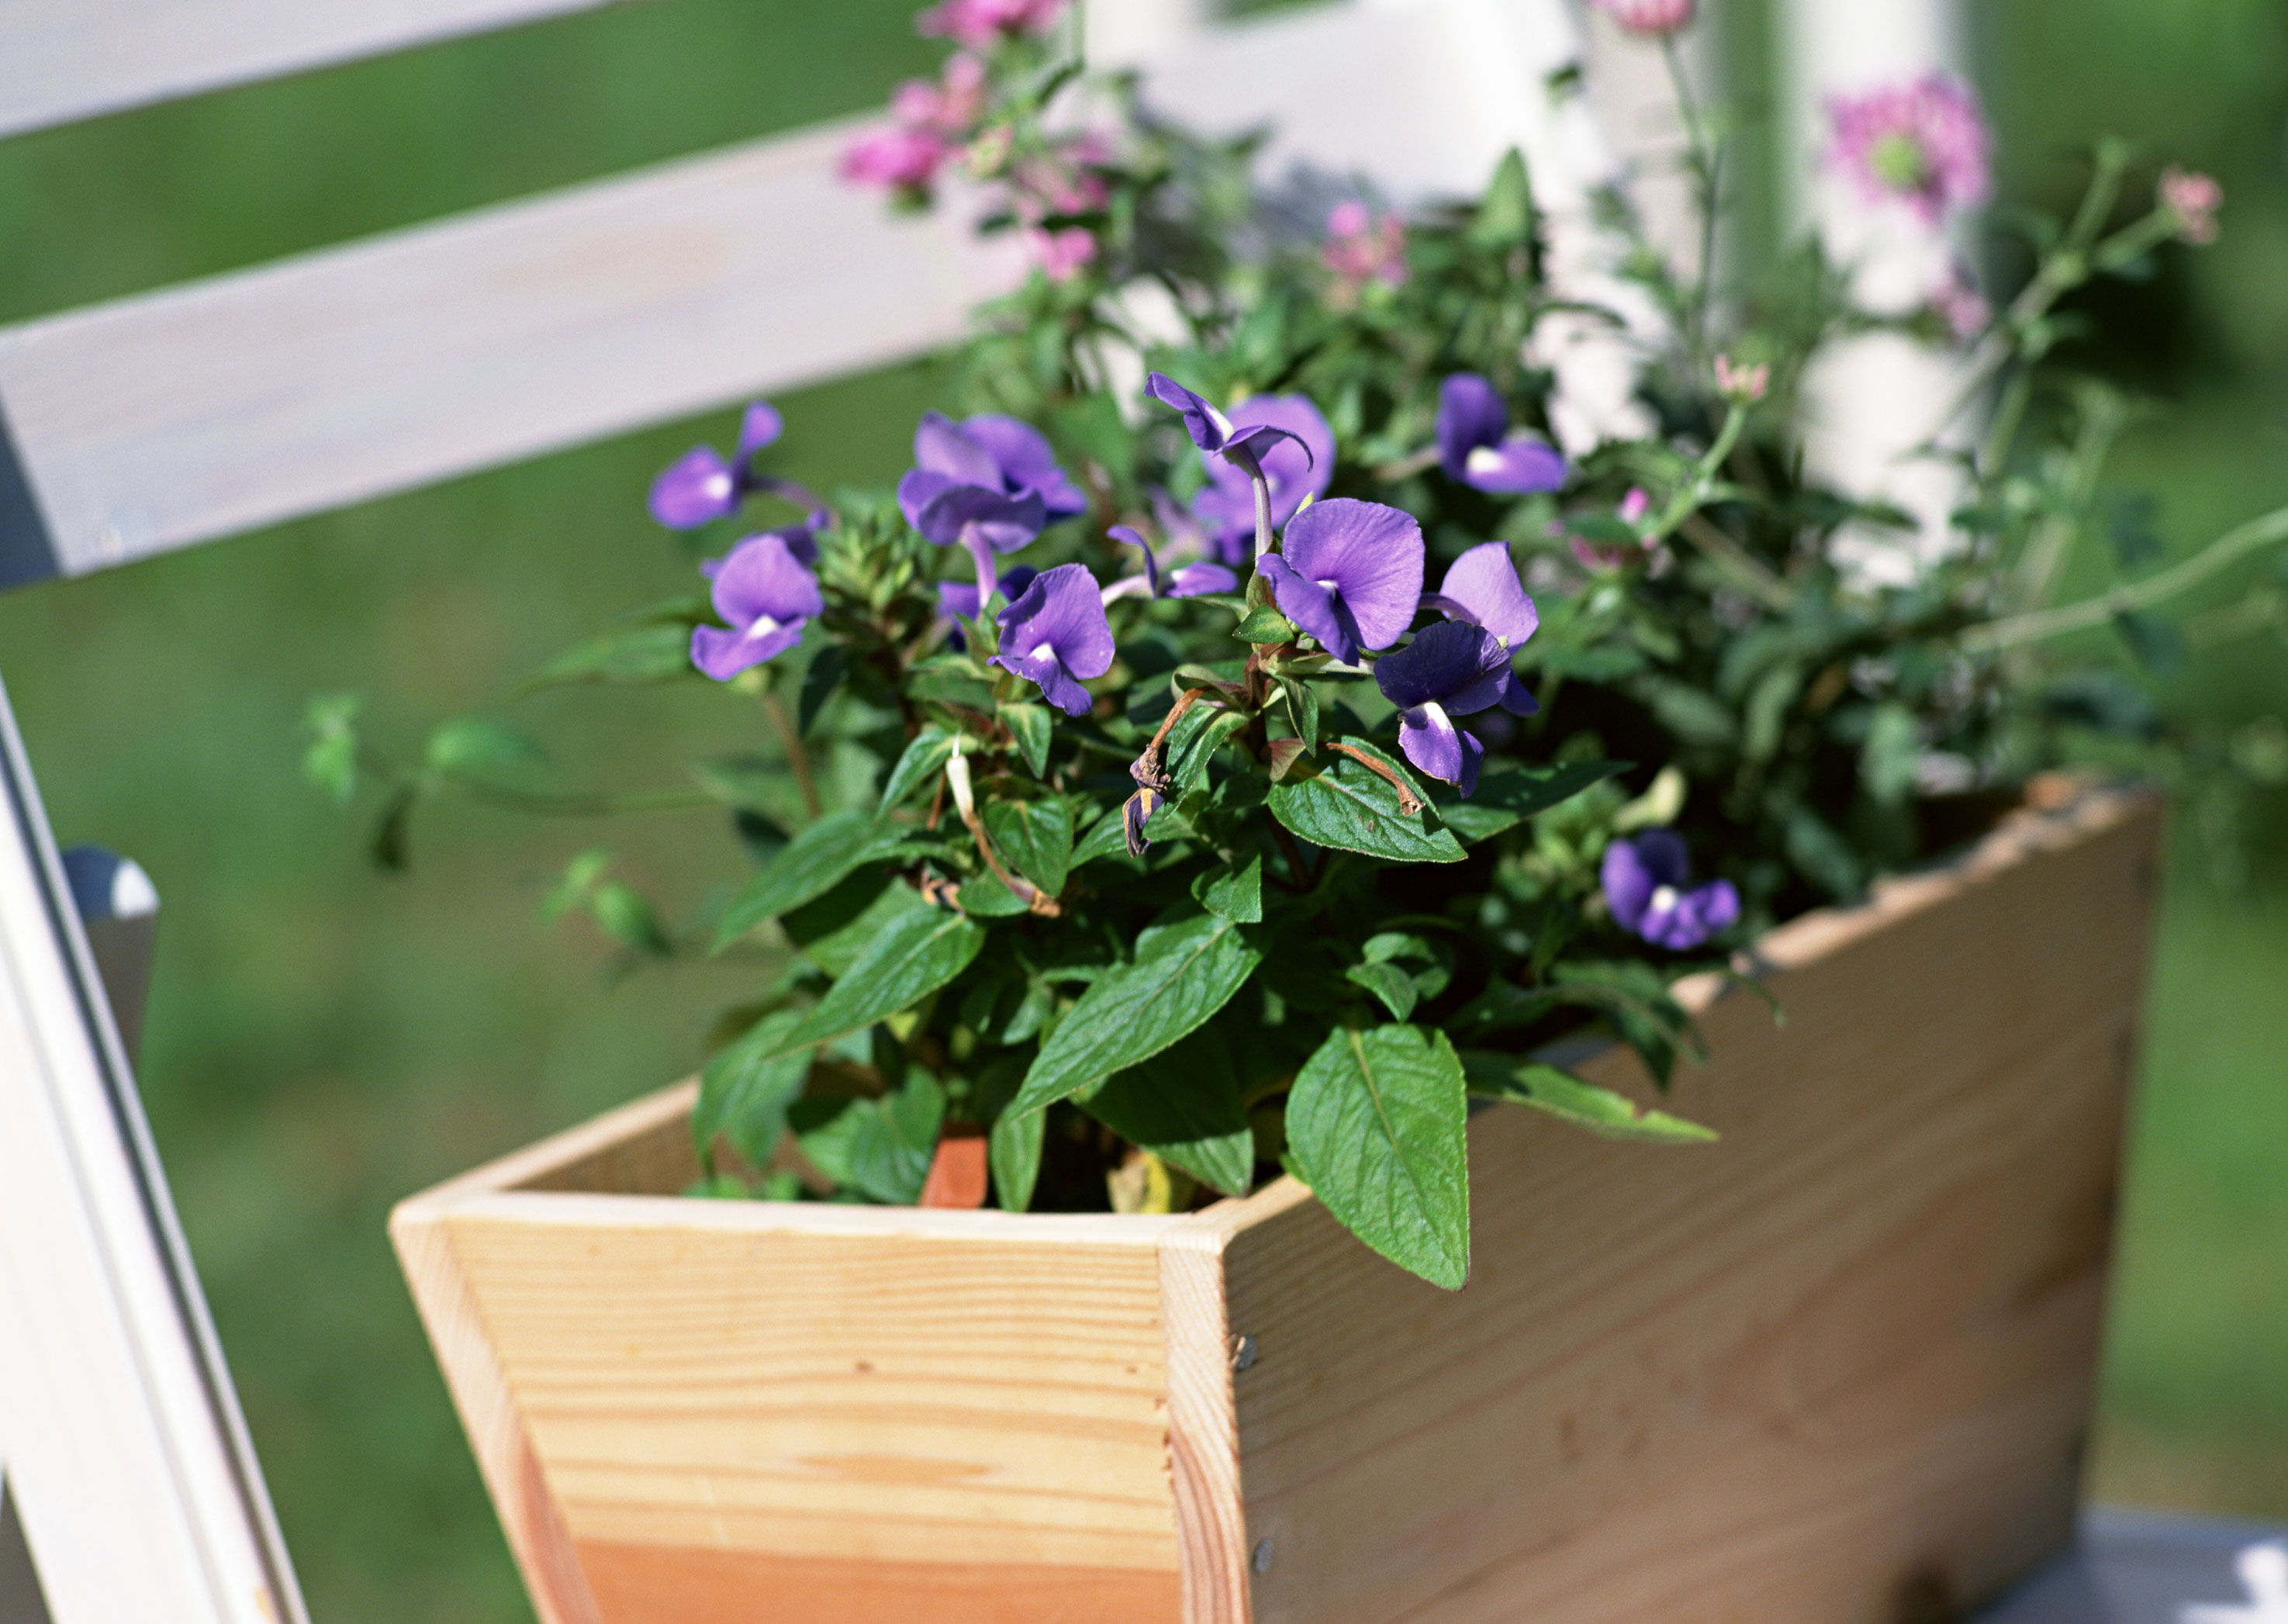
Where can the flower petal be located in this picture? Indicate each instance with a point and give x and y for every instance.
(1431, 742)
(1004, 522)
(1062, 612)
(1311, 607)
(1523, 463)
(941, 446)
(1483, 583)
(762, 578)
(1208, 427)
(1027, 462)
(1201, 579)
(723, 654)
(758, 428)
(696, 488)
(1134, 537)
(1297, 467)
(1373, 557)
(1516, 701)
(1628, 883)
(1447, 660)
(1470, 414)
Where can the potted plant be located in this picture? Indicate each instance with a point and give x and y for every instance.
(1292, 800)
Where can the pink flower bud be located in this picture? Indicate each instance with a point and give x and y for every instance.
(2194, 199)
(1650, 19)
(904, 160)
(1741, 384)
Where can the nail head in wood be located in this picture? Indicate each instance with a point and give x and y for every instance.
(1243, 1352)
(1261, 1560)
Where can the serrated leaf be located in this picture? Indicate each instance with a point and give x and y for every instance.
(1503, 800)
(913, 956)
(881, 1147)
(1265, 625)
(1585, 1105)
(471, 743)
(1392, 986)
(1029, 726)
(1014, 1151)
(917, 768)
(1184, 1106)
(1379, 1121)
(1335, 801)
(744, 1098)
(1182, 974)
(631, 655)
(814, 862)
(1235, 894)
(1034, 837)
(820, 679)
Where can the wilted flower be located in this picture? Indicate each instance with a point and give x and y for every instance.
(982, 24)
(2193, 199)
(1925, 144)
(1349, 572)
(702, 486)
(1645, 882)
(1452, 668)
(897, 158)
(1481, 588)
(1363, 247)
(1193, 580)
(1054, 635)
(766, 595)
(1478, 447)
(1295, 470)
(1743, 383)
(1650, 18)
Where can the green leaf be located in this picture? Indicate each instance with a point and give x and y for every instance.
(1379, 1121)
(1337, 802)
(986, 898)
(1184, 1106)
(835, 930)
(621, 913)
(1606, 663)
(916, 953)
(1392, 986)
(1266, 625)
(746, 780)
(744, 1097)
(1235, 894)
(631, 655)
(1888, 759)
(1107, 836)
(1302, 710)
(1014, 1150)
(1691, 715)
(1192, 743)
(1034, 837)
(1503, 800)
(881, 1147)
(923, 760)
(1585, 1105)
(331, 761)
(1182, 974)
(820, 679)
(469, 744)
(813, 864)
(1029, 726)
(1505, 215)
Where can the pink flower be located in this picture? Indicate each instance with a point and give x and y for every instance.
(901, 159)
(947, 107)
(1362, 247)
(1741, 384)
(1061, 254)
(2194, 199)
(1924, 143)
(1062, 185)
(1652, 19)
(1616, 555)
(1961, 306)
(983, 23)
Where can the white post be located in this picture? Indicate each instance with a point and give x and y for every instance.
(1126, 33)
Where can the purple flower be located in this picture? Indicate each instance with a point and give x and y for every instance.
(1478, 447)
(767, 595)
(1645, 886)
(1481, 588)
(961, 598)
(1193, 580)
(801, 540)
(1924, 143)
(1055, 636)
(1242, 446)
(700, 486)
(1452, 668)
(1293, 469)
(1350, 573)
(990, 453)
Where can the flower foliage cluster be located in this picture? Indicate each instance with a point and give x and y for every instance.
(1252, 729)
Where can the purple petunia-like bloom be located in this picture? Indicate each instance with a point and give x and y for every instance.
(1193, 580)
(1054, 635)
(1924, 143)
(1349, 572)
(1646, 884)
(1481, 588)
(768, 596)
(702, 485)
(1478, 447)
(1296, 469)
(1452, 668)
(988, 452)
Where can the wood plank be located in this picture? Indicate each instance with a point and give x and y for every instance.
(70, 59)
(223, 405)
(1833, 1370)
(1203, 1423)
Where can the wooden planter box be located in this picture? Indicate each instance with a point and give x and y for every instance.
(1837, 1369)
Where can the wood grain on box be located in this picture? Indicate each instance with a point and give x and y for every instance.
(1833, 1370)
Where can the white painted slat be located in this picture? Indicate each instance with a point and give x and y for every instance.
(67, 60)
(2134, 1567)
(220, 405)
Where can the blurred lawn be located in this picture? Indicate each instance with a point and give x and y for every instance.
(323, 1040)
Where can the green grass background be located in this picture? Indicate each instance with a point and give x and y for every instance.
(323, 1040)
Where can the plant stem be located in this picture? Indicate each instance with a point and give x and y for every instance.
(1247, 462)
(1747, 571)
(797, 756)
(2228, 549)
(1408, 802)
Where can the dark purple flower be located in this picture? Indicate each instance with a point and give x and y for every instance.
(700, 485)
(1294, 469)
(1482, 589)
(1645, 881)
(1478, 447)
(990, 453)
(766, 595)
(1452, 668)
(960, 599)
(1349, 572)
(1193, 580)
(1055, 635)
